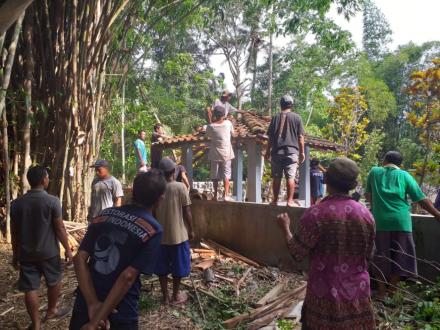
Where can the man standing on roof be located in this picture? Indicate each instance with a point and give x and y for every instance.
(285, 148)
(156, 153)
(387, 190)
(106, 190)
(220, 153)
(140, 152)
(224, 100)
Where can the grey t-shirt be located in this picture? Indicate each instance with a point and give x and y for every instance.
(33, 214)
(103, 194)
(285, 139)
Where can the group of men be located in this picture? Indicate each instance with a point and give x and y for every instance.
(151, 234)
(148, 236)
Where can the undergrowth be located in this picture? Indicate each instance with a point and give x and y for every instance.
(412, 307)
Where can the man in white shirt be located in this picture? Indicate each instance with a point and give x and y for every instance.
(224, 100)
(221, 153)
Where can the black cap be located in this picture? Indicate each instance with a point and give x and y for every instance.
(166, 164)
(101, 163)
(219, 111)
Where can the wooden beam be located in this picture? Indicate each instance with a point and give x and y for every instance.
(237, 174)
(10, 11)
(187, 160)
(255, 163)
(304, 179)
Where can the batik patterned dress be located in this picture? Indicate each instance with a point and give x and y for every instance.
(338, 235)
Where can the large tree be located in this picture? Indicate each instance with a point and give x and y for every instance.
(377, 33)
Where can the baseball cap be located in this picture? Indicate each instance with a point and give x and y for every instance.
(343, 169)
(166, 164)
(219, 111)
(101, 163)
(286, 101)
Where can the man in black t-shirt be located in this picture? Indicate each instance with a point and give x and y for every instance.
(36, 228)
(285, 148)
(121, 243)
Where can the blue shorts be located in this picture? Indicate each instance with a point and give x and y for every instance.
(174, 259)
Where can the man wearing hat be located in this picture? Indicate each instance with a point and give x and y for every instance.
(106, 190)
(224, 100)
(174, 214)
(285, 148)
(220, 153)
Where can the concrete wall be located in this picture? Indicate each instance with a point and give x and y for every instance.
(251, 230)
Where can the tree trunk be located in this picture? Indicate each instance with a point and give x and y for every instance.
(5, 79)
(7, 177)
(270, 78)
(28, 67)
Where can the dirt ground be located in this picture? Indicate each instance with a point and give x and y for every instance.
(219, 301)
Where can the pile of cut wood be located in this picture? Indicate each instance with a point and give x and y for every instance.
(277, 304)
(75, 234)
(213, 266)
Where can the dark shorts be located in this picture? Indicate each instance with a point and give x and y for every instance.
(395, 254)
(287, 164)
(30, 273)
(80, 317)
(174, 259)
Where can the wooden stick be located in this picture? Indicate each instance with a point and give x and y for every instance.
(209, 294)
(272, 294)
(227, 279)
(198, 298)
(7, 311)
(230, 253)
(241, 280)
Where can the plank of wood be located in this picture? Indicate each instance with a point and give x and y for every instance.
(203, 251)
(227, 252)
(260, 312)
(205, 264)
(272, 294)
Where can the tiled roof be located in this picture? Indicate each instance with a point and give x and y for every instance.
(248, 125)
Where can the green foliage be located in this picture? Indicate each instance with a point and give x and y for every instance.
(285, 325)
(425, 117)
(376, 31)
(372, 149)
(148, 302)
(348, 120)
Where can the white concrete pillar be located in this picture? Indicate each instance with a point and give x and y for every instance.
(237, 174)
(187, 161)
(304, 179)
(255, 163)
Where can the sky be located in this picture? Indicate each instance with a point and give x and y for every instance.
(410, 20)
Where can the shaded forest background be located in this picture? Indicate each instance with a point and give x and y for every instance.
(68, 69)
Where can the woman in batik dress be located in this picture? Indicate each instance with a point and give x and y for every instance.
(338, 236)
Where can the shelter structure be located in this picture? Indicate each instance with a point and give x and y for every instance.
(250, 129)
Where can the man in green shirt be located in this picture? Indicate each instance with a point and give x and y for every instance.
(387, 190)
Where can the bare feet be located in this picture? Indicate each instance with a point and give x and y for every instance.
(181, 298)
(165, 300)
(293, 203)
(56, 313)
